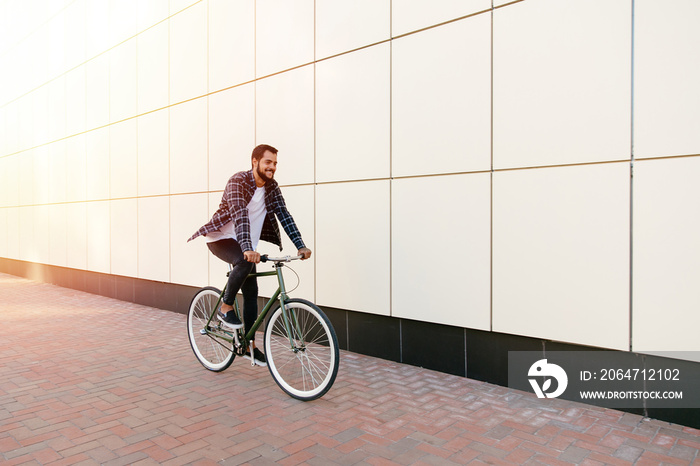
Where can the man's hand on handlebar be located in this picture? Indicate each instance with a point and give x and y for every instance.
(252, 256)
(305, 253)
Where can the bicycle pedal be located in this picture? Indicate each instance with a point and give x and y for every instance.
(252, 360)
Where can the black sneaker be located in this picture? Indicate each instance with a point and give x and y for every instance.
(230, 319)
(259, 357)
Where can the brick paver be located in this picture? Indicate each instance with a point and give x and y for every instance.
(91, 380)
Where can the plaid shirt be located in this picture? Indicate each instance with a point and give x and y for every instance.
(234, 207)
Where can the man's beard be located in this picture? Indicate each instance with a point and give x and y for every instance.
(263, 176)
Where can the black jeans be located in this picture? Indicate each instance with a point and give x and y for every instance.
(228, 250)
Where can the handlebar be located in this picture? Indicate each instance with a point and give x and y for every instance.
(265, 258)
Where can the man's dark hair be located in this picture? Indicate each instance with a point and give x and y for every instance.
(260, 150)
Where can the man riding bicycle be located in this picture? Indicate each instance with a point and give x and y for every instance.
(245, 216)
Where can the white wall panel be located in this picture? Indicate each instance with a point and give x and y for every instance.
(24, 116)
(152, 66)
(36, 54)
(353, 246)
(124, 237)
(300, 203)
(285, 120)
(97, 169)
(76, 166)
(33, 243)
(561, 254)
(561, 93)
(29, 244)
(666, 255)
(97, 33)
(40, 175)
(39, 248)
(441, 249)
(13, 180)
(123, 82)
(441, 101)
(188, 147)
(4, 250)
(32, 124)
(179, 5)
(5, 125)
(217, 268)
(57, 109)
(411, 15)
(153, 153)
(97, 91)
(154, 238)
(123, 17)
(12, 135)
(26, 245)
(3, 128)
(57, 235)
(188, 53)
(13, 226)
(284, 35)
(76, 235)
(75, 101)
(98, 236)
(57, 175)
(666, 76)
(25, 164)
(352, 115)
(344, 26)
(188, 260)
(76, 25)
(231, 133)
(56, 45)
(231, 43)
(11, 58)
(123, 147)
(151, 12)
(4, 187)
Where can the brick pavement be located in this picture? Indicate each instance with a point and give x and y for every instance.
(91, 380)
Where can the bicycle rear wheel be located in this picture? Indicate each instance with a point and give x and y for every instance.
(302, 351)
(216, 354)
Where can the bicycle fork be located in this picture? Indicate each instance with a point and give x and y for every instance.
(291, 323)
(286, 314)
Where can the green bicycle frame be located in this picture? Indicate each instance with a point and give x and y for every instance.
(281, 293)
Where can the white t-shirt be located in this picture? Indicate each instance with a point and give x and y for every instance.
(256, 216)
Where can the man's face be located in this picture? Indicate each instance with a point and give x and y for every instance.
(267, 166)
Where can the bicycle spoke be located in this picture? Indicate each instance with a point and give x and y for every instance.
(313, 360)
(307, 368)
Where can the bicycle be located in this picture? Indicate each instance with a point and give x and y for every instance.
(300, 343)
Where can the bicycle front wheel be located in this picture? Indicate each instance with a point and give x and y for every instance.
(216, 354)
(301, 350)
